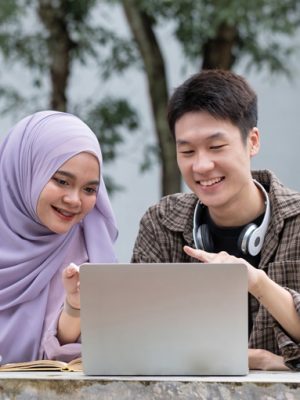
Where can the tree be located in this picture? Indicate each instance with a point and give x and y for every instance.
(57, 18)
(221, 32)
(61, 36)
(214, 33)
(141, 25)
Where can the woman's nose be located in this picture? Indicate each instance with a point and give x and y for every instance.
(73, 198)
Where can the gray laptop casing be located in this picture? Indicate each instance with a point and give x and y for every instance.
(164, 319)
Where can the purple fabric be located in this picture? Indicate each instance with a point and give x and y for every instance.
(30, 254)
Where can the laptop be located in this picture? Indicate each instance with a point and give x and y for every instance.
(181, 319)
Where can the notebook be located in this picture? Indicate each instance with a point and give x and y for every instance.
(177, 319)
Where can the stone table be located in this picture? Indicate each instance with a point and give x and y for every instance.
(75, 385)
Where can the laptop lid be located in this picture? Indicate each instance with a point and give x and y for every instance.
(164, 319)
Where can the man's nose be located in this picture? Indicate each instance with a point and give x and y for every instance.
(203, 163)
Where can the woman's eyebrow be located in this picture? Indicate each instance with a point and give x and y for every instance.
(72, 176)
(65, 173)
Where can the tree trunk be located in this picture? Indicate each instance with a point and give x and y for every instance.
(141, 27)
(59, 46)
(218, 51)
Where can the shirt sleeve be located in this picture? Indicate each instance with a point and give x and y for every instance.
(147, 246)
(164, 229)
(290, 350)
(50, 347)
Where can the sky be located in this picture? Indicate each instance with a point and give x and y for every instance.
(278, 104)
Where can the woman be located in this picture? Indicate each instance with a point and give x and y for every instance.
(54, 211)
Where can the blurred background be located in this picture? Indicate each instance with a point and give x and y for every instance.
(115, 63)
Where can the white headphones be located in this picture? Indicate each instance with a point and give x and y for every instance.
(251, 238)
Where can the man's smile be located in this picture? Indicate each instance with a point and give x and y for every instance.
(210, 182)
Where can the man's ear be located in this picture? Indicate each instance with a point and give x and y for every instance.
(254, 141)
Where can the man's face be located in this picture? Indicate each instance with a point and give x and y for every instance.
(215, 161)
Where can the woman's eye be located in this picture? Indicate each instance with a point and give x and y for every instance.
(59, 181)
(90, 190)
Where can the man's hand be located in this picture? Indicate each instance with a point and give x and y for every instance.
(265, 360)
(277, 300)
(223, 257)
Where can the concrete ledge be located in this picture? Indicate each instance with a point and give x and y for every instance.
(75, 385)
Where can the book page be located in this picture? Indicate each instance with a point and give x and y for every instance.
(43, 365)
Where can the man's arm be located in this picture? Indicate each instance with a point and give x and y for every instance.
(276, 299)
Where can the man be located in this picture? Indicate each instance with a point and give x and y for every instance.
(233, 215)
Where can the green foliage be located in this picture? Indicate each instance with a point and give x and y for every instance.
(19, 42)
(262, 26)
(76, 11)
(31, 44)
(11, 10)
(10, 99)
(111, 119)
(150, 157)
(122, 55)
(111, 185)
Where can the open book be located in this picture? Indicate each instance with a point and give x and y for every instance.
(43, 365)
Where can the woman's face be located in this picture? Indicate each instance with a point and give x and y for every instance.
(70, 194)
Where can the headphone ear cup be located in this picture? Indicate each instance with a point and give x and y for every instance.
(244, 237)
(205, 238)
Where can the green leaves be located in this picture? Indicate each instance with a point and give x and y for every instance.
(110, 119)
(49, 38)
(263, 27)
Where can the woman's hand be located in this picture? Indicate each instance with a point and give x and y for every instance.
(71, 284)
(68, 329)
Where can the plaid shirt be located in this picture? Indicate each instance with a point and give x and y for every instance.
(167, 226)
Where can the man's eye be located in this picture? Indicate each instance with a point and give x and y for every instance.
(220, 146)
(187, 152)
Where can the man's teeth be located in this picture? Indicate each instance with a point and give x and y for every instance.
(210, 182)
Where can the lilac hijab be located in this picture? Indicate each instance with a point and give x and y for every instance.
(30, 254)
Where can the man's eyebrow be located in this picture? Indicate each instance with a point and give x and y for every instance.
(72, 176)
(213, 136)
(216, 135)
(181, 142)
